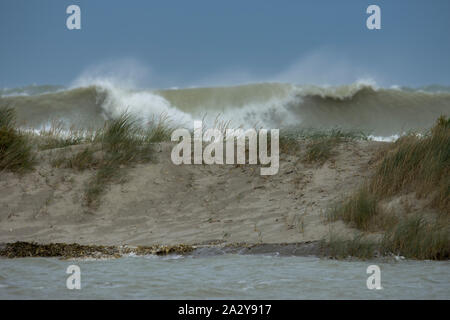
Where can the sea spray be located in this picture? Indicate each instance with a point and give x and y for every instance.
(379, 111)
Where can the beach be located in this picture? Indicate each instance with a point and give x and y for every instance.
(161, 203)
(230, 151)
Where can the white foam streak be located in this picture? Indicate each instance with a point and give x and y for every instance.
(392, 138)
(144, 104)
(269, 114)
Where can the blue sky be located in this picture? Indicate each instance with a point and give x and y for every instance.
(192, 42)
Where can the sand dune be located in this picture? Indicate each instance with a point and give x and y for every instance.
(161, 203)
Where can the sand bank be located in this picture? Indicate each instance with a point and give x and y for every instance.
(164, 204)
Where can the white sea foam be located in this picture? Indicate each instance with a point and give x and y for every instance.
(143, 104)
(391, 138)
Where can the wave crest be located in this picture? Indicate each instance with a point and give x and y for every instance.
(361, 105)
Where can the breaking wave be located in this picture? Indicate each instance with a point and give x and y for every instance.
(380, 111)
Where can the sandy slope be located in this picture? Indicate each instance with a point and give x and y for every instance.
(160, 203)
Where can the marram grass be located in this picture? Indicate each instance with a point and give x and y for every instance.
(412, 164)
(419, 164)
(15, 151)
(414, 237)
(123, 141)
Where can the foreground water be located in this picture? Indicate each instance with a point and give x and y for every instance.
(227, 276)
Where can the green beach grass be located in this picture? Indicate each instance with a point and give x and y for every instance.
(15, 150)
(414, 163)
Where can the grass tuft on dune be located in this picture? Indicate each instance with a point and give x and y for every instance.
(418, 238)
(123, 141)
(15, 151)
(419, 164)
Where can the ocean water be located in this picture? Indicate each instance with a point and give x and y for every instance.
(228, 276)
(382, 112)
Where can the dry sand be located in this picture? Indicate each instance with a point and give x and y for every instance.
(161, 203)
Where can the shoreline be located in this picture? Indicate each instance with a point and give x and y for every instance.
(74, 250)
(349, 193)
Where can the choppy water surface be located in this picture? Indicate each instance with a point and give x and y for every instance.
(222, 277)
(357, 106)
